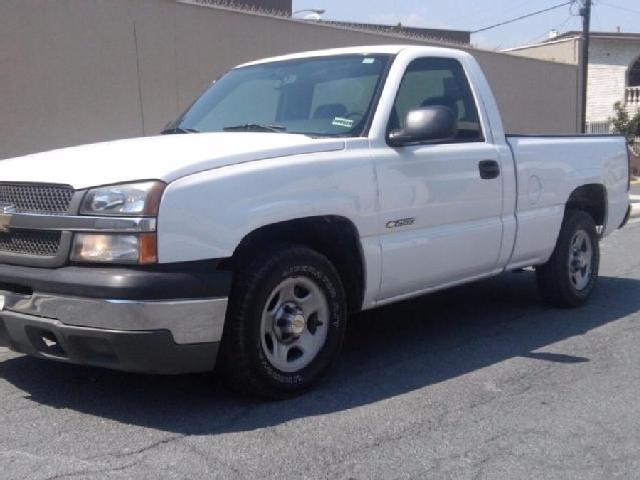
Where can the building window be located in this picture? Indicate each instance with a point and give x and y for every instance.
(634, 74)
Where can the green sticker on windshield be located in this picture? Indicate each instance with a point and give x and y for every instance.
(368, 60)
(342, 122)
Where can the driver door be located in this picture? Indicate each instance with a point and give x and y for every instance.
(440, 221)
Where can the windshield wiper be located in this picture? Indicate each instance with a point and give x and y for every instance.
(255, 127)
(173, 130)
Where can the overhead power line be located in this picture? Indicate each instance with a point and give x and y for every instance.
(559, 27)
(618, 7)
(523, 17)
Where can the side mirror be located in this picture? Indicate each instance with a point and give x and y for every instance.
(431, 124)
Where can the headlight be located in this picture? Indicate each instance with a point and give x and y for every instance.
(114, 248)
(131, 199)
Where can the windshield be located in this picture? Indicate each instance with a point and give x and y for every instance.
(322, 96)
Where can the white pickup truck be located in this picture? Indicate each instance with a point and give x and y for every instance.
(295, 190)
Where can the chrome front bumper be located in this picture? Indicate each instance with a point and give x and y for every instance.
(160, 319)
(160, 336)
(189, 321)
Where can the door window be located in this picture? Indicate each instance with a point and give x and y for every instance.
(438, 81)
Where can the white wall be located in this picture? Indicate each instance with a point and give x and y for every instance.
(608, 64)
(565, 51)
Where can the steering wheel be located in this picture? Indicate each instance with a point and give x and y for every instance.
(359, 116)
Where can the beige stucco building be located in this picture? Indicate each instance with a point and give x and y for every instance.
(614, 70)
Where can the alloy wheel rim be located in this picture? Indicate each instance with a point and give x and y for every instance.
(294, 324)
(580, 260)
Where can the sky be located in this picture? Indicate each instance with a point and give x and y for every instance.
(475, 14)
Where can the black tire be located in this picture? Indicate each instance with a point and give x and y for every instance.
(554, 278)
(243, 360)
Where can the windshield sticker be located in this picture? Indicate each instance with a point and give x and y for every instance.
(342, 122)
(368, 60)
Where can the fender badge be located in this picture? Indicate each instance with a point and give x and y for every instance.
(403, 222)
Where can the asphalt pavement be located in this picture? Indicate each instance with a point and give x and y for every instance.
(479, 382)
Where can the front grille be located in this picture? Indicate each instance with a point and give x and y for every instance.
(42, 199)
(30, 242)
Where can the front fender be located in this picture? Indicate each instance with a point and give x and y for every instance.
(207, 214)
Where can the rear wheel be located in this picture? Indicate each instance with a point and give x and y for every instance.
(285, 324)
(568, 278)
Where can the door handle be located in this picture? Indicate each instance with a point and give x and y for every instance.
(489, 169)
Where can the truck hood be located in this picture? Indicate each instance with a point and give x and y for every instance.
(165, 157)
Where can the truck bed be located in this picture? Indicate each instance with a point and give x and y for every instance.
(548, 169)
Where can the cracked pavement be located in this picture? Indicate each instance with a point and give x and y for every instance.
(480, 382)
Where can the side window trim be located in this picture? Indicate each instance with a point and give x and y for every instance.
(474, 101)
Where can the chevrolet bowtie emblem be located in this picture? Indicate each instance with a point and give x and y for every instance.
(6, 211)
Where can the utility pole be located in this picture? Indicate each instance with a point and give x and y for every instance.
(585, 12)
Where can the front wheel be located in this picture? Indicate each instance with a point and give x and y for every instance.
(285, 324)
(569, 277)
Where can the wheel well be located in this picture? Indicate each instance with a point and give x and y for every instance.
(335, 237)
(592, 199)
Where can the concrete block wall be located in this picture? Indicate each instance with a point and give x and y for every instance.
(78, 71)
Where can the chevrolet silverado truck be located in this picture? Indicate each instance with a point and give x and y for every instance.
(294, 191)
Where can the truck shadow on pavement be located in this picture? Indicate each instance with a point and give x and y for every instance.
(388, 352)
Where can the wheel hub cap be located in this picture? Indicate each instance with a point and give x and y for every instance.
(581, 260)
(289, 322)
(294, 324)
